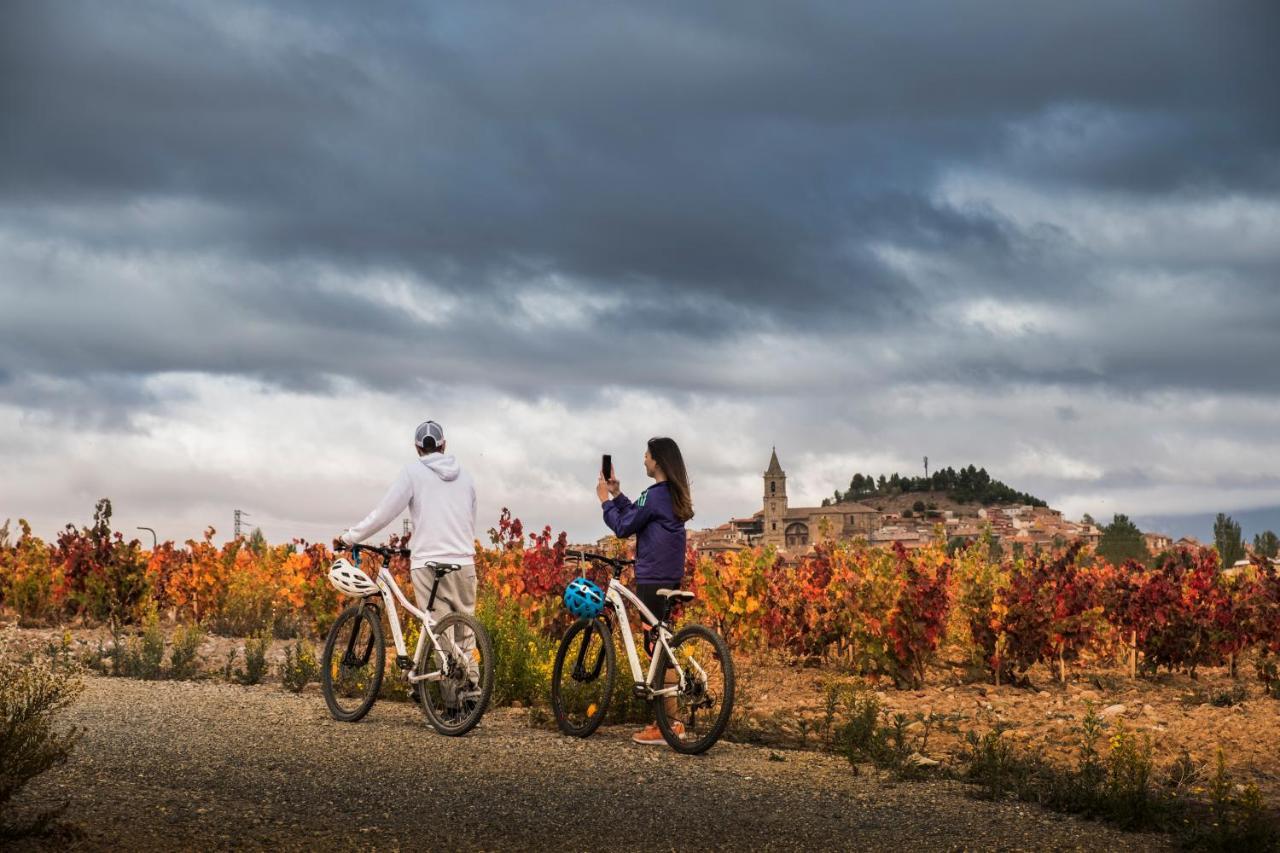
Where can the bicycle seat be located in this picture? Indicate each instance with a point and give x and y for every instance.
(442, 569)
(677, 594)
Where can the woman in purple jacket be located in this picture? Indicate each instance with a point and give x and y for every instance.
(657, 521)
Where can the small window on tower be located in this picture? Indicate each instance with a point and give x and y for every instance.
(774, 525)
(773, 487)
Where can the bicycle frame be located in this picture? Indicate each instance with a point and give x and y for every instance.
(618, 596)
(390, 593)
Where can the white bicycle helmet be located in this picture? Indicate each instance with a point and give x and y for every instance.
(347, 578)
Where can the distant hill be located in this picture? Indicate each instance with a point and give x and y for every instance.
(1200, 524)
(966, 486)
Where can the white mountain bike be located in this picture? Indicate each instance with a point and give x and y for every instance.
(450, 672)
(690, 677)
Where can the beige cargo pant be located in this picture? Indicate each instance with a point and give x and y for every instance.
(456, 594)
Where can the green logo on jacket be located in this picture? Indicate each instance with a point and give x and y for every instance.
(644, 496)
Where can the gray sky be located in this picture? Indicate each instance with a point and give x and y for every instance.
(246, 247)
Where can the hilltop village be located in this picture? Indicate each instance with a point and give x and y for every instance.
(911, 519)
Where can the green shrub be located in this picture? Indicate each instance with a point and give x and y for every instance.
(184, 658)
(60, 653)
(255, 660)
(869, 733)
(142, 657)
(522, 657)
(229, 665)
(830, 704)
(862, 735)
(993, 765)
(32, 691)
(1121, 788)
(1239, 819)
(743, 725)
(100, 659)
(1128, 796)
(300, 667)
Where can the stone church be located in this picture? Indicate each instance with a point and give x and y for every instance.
(796, 529)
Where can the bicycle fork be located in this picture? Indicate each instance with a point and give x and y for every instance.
(580, 672)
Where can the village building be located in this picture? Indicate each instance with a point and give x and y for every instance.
(791, 528)
(909, 538)
(794, 531)
(718, 540)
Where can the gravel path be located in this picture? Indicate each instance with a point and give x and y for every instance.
(180, 765)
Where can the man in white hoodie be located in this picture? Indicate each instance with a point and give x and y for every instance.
(441, 498)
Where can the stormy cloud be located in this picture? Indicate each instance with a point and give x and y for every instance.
(801, 225)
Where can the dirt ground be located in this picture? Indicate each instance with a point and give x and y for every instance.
(208, 765)
(1176, 712)
(784, 706)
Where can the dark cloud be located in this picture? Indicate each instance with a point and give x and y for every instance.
(608, 193)
(94, 402)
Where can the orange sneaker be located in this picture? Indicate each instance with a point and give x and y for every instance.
(651, 736)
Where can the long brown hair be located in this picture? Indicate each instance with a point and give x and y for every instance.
(666, 453)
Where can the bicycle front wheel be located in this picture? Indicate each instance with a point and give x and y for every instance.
(693, 720)
(459, 674)
(583, 676)
(352, 665)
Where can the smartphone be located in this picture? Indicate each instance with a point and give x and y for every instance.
(606, 466)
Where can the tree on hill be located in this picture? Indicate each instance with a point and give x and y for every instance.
(258, 542)
(1122, 540)
(1267, 544)
(963, 486)
(1228, 540)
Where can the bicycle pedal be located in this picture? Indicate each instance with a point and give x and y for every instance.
(404, 662)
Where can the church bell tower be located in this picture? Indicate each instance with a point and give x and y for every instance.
(775, 503)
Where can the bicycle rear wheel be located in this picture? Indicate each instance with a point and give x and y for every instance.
(700, 710)
(352, 665)
(583, 677)
(459, 667)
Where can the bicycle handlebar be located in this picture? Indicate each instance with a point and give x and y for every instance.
(617, 563)
(385, 553)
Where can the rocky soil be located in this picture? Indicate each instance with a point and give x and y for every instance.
(199, 765)
(1176, 712)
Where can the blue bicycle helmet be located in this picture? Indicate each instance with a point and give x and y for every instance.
(583, 598)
